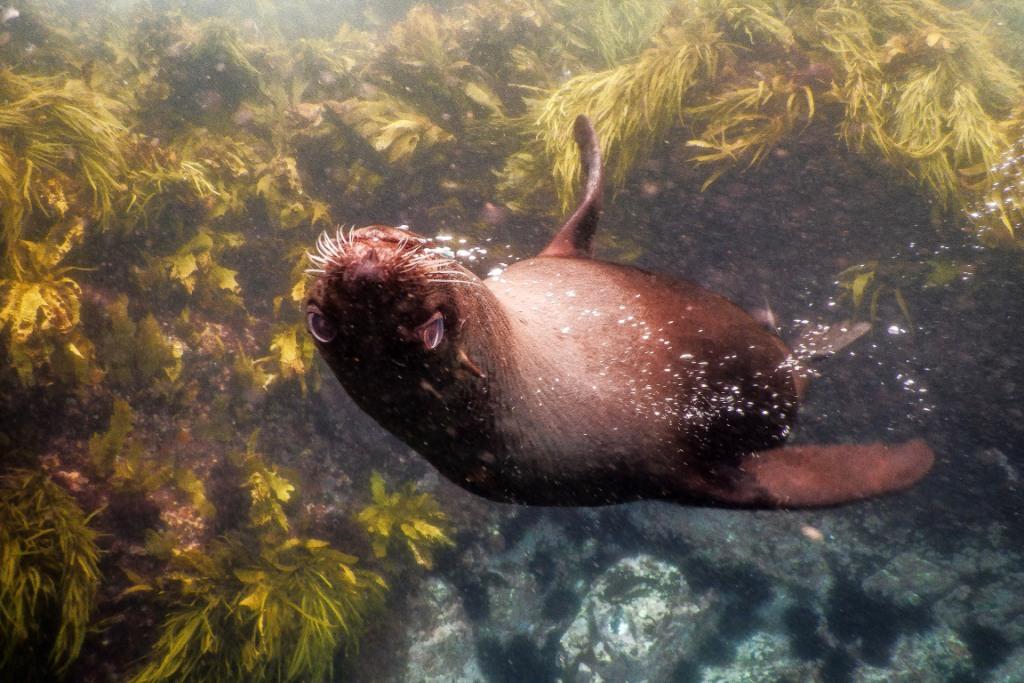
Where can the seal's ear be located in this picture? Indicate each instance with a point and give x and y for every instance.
(574, 238)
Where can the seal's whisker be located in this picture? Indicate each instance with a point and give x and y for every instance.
(472, 283)
(450, 273)
(327, 247)
(447, 270)
(438, 266)
(317, 260)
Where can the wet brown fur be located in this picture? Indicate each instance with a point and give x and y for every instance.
(572, 381)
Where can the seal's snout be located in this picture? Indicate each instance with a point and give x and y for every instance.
(385, 277)
(368, 255)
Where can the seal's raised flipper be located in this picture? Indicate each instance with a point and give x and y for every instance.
(821, 341)
(818, 342)
(818, 476)
(576, 234)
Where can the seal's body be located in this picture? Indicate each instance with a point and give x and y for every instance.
(571, 381)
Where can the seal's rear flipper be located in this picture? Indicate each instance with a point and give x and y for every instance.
(574, 238)
(818, 476)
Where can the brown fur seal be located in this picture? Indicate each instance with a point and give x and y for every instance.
(571, 381)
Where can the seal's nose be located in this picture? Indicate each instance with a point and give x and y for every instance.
(369, 270)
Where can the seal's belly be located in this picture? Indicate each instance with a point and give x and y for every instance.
(638, 378)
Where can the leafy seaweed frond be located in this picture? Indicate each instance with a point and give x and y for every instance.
(259, 604)
(292, 351)
(258, 612)
(195, 267)
(919, 84)
(55, 130)
(105, 448)
(40, 308)
(926, 91)
(136, 353)
(391, 127)
(404, 518)
(999, 215)
(631, 105)
(746, 123)
(122, 461)
(866, 286)
(49, 575)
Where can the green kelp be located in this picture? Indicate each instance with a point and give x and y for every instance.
(260, 603)
(911, 82)
(137, 354)
(259, 612)
(49, 576)
(60, 147)
(61, 167)
(404, 518)
(41, 309)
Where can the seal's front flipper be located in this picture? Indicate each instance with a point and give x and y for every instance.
(818, 476)
(818, 342)
(821, 341)
(574, 238)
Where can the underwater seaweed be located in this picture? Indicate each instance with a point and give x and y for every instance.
(132, 473)
(258, 604)
(269, 612)
(49, 576)
(55, 130)
(41, 308)
(918, 84)
(195, 267)
(404, 518)
(273, 613)
(292, 352)
(137, 354)
(390, 127)
(866, 285)
(631, 105)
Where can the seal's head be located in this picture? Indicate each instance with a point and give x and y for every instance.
(384, 297)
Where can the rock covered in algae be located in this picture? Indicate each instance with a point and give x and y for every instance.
(1010, 670)
(761, 658)
(440, 635)
(936, 655)
(639, 619)
(910, 580)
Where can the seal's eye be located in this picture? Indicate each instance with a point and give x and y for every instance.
(431, 333)
(322, 329)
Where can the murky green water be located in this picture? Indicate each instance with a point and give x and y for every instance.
(187, 493)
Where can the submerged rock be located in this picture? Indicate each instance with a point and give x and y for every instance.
(762, 658)
(638, 620)
(936, 655)
(910, 580)
(441, 639)
(1010, 670)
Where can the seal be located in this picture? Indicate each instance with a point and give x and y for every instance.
(567, 380)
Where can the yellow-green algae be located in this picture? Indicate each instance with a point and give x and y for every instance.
(264, 603)
(911, 82)
(49, 576)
